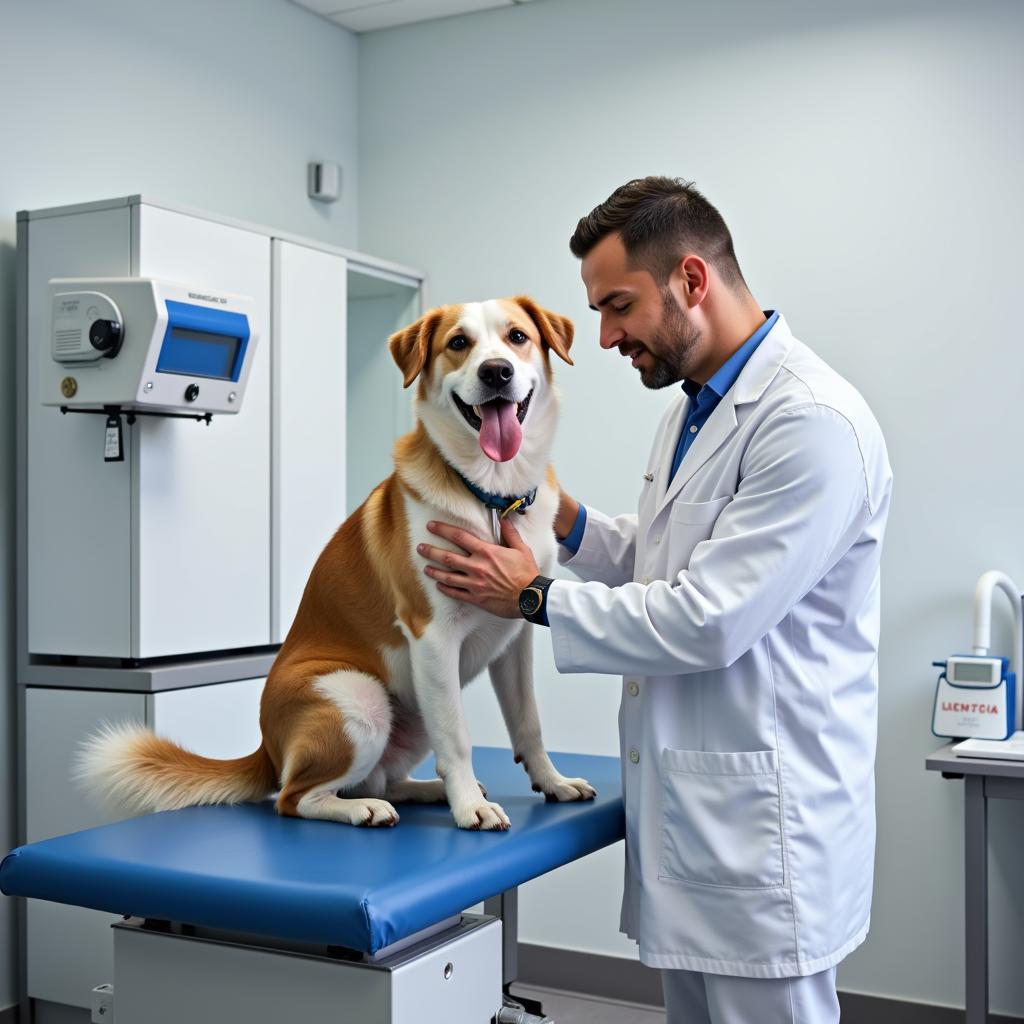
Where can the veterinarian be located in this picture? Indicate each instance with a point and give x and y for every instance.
(741, 606)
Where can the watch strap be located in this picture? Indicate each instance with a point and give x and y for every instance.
(539, 617)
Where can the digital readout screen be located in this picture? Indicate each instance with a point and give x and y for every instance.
(199, 354)
(972, 672)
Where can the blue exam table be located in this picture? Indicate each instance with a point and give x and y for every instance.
(236, 913)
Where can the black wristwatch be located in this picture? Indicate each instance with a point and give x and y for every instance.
(532, 600)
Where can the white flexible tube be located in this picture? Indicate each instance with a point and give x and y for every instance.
(983, 623)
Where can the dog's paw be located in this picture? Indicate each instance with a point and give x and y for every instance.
(374, 814)
(481, 817)
(563, 790)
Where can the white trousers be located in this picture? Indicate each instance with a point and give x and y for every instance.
(695, 998)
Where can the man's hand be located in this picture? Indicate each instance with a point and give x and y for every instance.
(487, 575)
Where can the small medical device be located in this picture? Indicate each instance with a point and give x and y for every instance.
(977, 695)
(974, 697)
(139, 345)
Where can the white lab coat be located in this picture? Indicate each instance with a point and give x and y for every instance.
(741, 606)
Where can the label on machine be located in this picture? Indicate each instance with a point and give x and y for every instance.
(974, 697)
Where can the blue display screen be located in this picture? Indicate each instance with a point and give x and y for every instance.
(202, 342)
(199, 354)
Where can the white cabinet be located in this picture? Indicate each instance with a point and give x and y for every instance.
(220, 721)
(70, 949)
(168, 552)
(309, 400)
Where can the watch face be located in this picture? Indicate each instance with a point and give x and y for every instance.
(529, 601)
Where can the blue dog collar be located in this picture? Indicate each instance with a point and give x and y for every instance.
(502, 504)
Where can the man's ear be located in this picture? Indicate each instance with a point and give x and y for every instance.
(410, 347)
(556, 331)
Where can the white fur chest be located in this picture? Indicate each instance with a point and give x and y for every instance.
(478, 636)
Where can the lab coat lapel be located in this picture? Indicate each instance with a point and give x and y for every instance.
(758, 373)
(670, 435)
(719, 427)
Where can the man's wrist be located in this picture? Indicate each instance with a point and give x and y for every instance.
(565, 518)
(572, 541)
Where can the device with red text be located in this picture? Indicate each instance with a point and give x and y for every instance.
(975, 697)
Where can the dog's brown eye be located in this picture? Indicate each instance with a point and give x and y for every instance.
(459, 342)
(517, 336)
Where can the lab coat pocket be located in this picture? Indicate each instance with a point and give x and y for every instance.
(689, 523)
(721, 819)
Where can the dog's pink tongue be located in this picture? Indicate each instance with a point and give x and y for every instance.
(500, 432)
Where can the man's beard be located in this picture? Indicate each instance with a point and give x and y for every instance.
(671, 347)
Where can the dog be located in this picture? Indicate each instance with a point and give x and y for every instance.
(369, 678)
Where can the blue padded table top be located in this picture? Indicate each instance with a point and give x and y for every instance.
(244, 868)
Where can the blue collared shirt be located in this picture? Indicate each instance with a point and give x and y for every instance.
(703, 401)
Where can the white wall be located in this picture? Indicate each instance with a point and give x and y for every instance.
(212, 105)
(868, 158)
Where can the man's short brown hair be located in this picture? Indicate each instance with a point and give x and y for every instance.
(660, 220)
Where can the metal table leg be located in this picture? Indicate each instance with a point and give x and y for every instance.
(506, 906)
(976, 894)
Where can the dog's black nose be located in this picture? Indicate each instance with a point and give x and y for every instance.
(496, 373)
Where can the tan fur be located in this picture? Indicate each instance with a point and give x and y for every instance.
(361, 583)
(419, 345)
(545, 329)
(418, 459)
(385, 524)
(151, 773)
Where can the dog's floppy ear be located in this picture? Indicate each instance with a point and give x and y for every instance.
(556, 331)
(410, 347)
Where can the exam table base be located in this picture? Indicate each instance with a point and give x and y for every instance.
(165, 977)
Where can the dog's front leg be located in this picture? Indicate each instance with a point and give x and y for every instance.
(435, 676)
(512, 678)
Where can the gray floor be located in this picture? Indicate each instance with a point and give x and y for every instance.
(573, 1008)
(561, 1007)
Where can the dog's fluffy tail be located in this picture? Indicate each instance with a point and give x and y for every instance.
(132, 768)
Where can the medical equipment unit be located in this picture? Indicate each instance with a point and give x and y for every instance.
(156, 588)
(136, 343)
(150, 363)
(977, 696)
(974, 697)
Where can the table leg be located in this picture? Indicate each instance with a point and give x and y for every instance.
(976, 894)
(506, 906)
